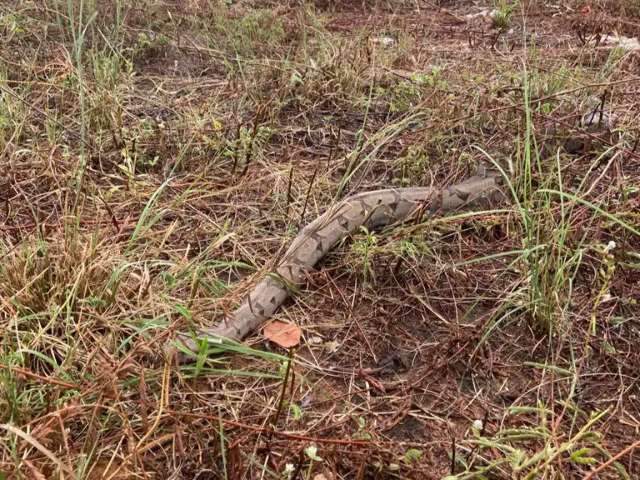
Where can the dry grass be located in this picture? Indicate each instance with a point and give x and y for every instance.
(156, 157)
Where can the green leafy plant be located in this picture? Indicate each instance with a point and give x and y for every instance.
(363, 248)
(502, 12)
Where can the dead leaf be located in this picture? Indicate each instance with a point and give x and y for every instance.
(286, 335)
(322, 476)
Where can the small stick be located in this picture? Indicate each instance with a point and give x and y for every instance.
(601, 108)
(284, 388)
(396, 268)
(237, 150)
(298, 469)
(289, 199)
(453, 456)
(274, 422)
(306, 198)
(613, 459)
(334, 148)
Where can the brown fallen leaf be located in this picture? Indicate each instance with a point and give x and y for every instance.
(286, 335)
(322, 476)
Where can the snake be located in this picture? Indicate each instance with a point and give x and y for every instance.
(370, 209)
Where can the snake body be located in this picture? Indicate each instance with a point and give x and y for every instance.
(373, 209)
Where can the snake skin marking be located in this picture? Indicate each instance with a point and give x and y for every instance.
(372, 209)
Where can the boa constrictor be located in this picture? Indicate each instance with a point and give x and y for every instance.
(372, 209)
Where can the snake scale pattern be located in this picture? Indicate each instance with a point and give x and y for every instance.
(373, 209)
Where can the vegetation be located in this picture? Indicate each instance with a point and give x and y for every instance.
(156, 157)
